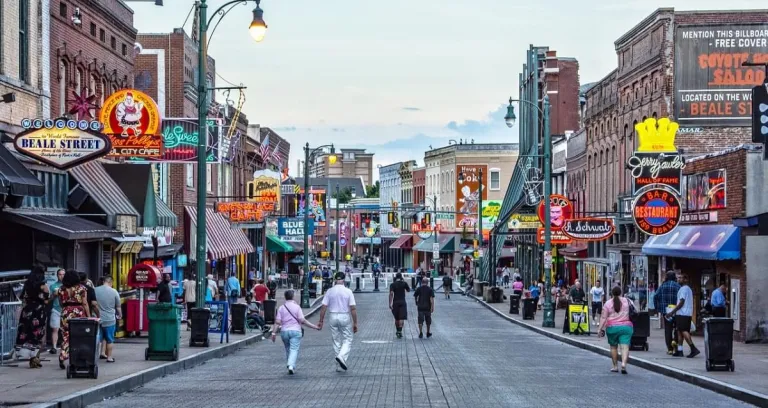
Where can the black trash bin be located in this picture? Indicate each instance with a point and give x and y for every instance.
(83, 348)
(514, 304)
(495, 295)
(270, 308)
(641, 330)
(529, 308)
(239, 311)
(718, 344)
(413, 282)
(199, 335)
(272, 286)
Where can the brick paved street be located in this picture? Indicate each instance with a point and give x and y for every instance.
(474, 360)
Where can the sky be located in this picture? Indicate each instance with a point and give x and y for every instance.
(398, 76)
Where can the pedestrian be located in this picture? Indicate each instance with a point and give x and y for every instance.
(288, 321)
(30, 333)
(164, 289)
(535, 293)
(541, 298)
(214, 287)
(470, 283)
(339, 302)
(718, 301)
(74, 305)
(505, 276)
(109, 310)
(597, 293)
(189, 293)
(517, 286)
(665, 300)
(397, 303)
(90, 293)
(251, 278)
(576, 295)
(54, 321)
(425, 305)
(615, 323)
(683, 314)
(447, 286)
(232, 288)
(260, 291)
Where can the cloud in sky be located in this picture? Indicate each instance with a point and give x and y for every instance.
(494, 121)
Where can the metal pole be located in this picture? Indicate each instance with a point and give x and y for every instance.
(305, 293)
(480, 216)
(202, 139)
(437, 232)
(549, 311)
(337, 227)
(328, 228)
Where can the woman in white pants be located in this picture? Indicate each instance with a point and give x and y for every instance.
(339, 303)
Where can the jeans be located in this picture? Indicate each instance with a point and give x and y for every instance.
(341, 332)
(292, 343)
(232, 300)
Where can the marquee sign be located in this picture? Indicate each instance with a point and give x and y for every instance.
(424, 231)
(62, 143)
(243, 211)
(560, 210)
(589, 229)
(292, 229)
(657, 211)
(132, 121)
(265, 187)
(656, 168)
(523, 221)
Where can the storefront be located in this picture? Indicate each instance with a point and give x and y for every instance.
(573, 262)
(447, 250)
(405, 245)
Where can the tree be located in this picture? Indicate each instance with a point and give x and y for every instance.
(344, 195)
(372, 191)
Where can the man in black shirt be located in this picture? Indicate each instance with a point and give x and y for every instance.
(397, 302)
(425, 304)
(164, 290)
(447, 283)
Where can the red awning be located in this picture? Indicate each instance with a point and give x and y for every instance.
(222, 241)
(404, 242)
(578, 249)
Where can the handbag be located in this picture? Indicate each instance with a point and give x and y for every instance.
(632, 311)
(297, 320)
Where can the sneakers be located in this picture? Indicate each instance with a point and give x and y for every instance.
(678, 353)
(342, 363)
(670, 352)
(421, 335)
(290, 370)
(694, 352)
(53, 350)
(429, 335)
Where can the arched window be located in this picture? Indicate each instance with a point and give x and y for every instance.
(92, 85)
(104, 90)
(62, 87)
(79, 80)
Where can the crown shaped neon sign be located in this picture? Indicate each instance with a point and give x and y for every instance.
(656, 136)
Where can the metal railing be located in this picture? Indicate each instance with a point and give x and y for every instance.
(9, 323)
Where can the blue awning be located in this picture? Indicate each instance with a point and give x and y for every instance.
(367, 241)
(710, 242)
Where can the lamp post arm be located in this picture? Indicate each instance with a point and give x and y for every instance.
(529, 103)
(221, 13)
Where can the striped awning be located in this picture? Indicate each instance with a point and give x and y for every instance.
(165, 217)
(222, 240)
(95, 180)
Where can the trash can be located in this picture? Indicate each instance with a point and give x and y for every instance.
(164, 332)
(529, 308)
(495, 294)
(514, 304)
(479, 286)
(641, 323)
(239, 311)
(413, 282)
(199, 335)
(83, 348)
(270, 308)
(462, 279)
(718, 344)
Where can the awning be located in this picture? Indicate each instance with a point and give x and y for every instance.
(67, 226)
(15, 179)
(165, 217)
(275, 244)
(367, 241)
(103, 190)
(404, 242)
(222, 241)
(577, 249)
(168, 251)
(710, 242)
(137, 184)
(447, 244)
(412, 212)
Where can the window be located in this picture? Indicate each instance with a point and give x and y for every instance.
(92, 85)
(495, 179)
(62, 87)
(349, 156)
(190, 170)
(104, 90)
(125, 50)
(93, 29)
(209, 178)
(113, 42)
(24, 40)
(78, 80)
(63, 10)
(102, 35)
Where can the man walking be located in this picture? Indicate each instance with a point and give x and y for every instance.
(397, 303)
(425, 305)
(683, 314)
(339, 302)
(447, 286)
(109, 310)
(597, 293)
(55, 319)
(232, 288)
(718, 301)
(189, 287)
(665, 300)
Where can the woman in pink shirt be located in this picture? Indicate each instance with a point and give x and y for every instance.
(517, 286)
(615, 323)
(288, 321)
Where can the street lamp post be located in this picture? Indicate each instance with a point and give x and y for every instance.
(337, 227)
(549, 310)
(257, 29)
(308, 158)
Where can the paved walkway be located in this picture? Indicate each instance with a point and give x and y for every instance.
(751, 360)
(22, 385)
(475, 359)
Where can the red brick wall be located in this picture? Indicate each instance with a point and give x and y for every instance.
(419, 185)
(735, 165)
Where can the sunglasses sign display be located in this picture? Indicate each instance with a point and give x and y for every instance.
(657, 172)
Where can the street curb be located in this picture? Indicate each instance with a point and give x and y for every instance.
(733, 391)
(124, 384)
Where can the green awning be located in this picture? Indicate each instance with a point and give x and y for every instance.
(447, 244)
(165, 216)
(275, 244)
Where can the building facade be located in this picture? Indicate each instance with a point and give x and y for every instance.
(349, 163)
(419, 185)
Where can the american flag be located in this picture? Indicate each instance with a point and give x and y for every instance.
(274, 157)
(264, 149)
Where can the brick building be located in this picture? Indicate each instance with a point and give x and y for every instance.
(419, 185)
(576, 171)
(560, 81)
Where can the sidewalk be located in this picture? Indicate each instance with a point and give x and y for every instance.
(751, 360)
(22, 386)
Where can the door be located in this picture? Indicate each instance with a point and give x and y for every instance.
(736, 303)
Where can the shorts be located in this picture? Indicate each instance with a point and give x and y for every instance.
(619, 335)
(55, 320)
(683, 323)
(400, 311)
(425, 317)
(597, 308)
(108, 333)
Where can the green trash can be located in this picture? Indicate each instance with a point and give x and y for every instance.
(164, 331)
(462, 279)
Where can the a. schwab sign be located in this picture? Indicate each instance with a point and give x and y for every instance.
(293, 227)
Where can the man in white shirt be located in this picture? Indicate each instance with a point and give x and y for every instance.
(339, 302)
(683, 314)
(597, 292)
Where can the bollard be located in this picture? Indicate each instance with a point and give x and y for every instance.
(357, 284)
(376, 283)
(432, 283)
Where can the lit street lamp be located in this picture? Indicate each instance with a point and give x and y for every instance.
(257, 29)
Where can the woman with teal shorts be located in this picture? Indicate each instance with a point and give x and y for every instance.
(615, 323)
